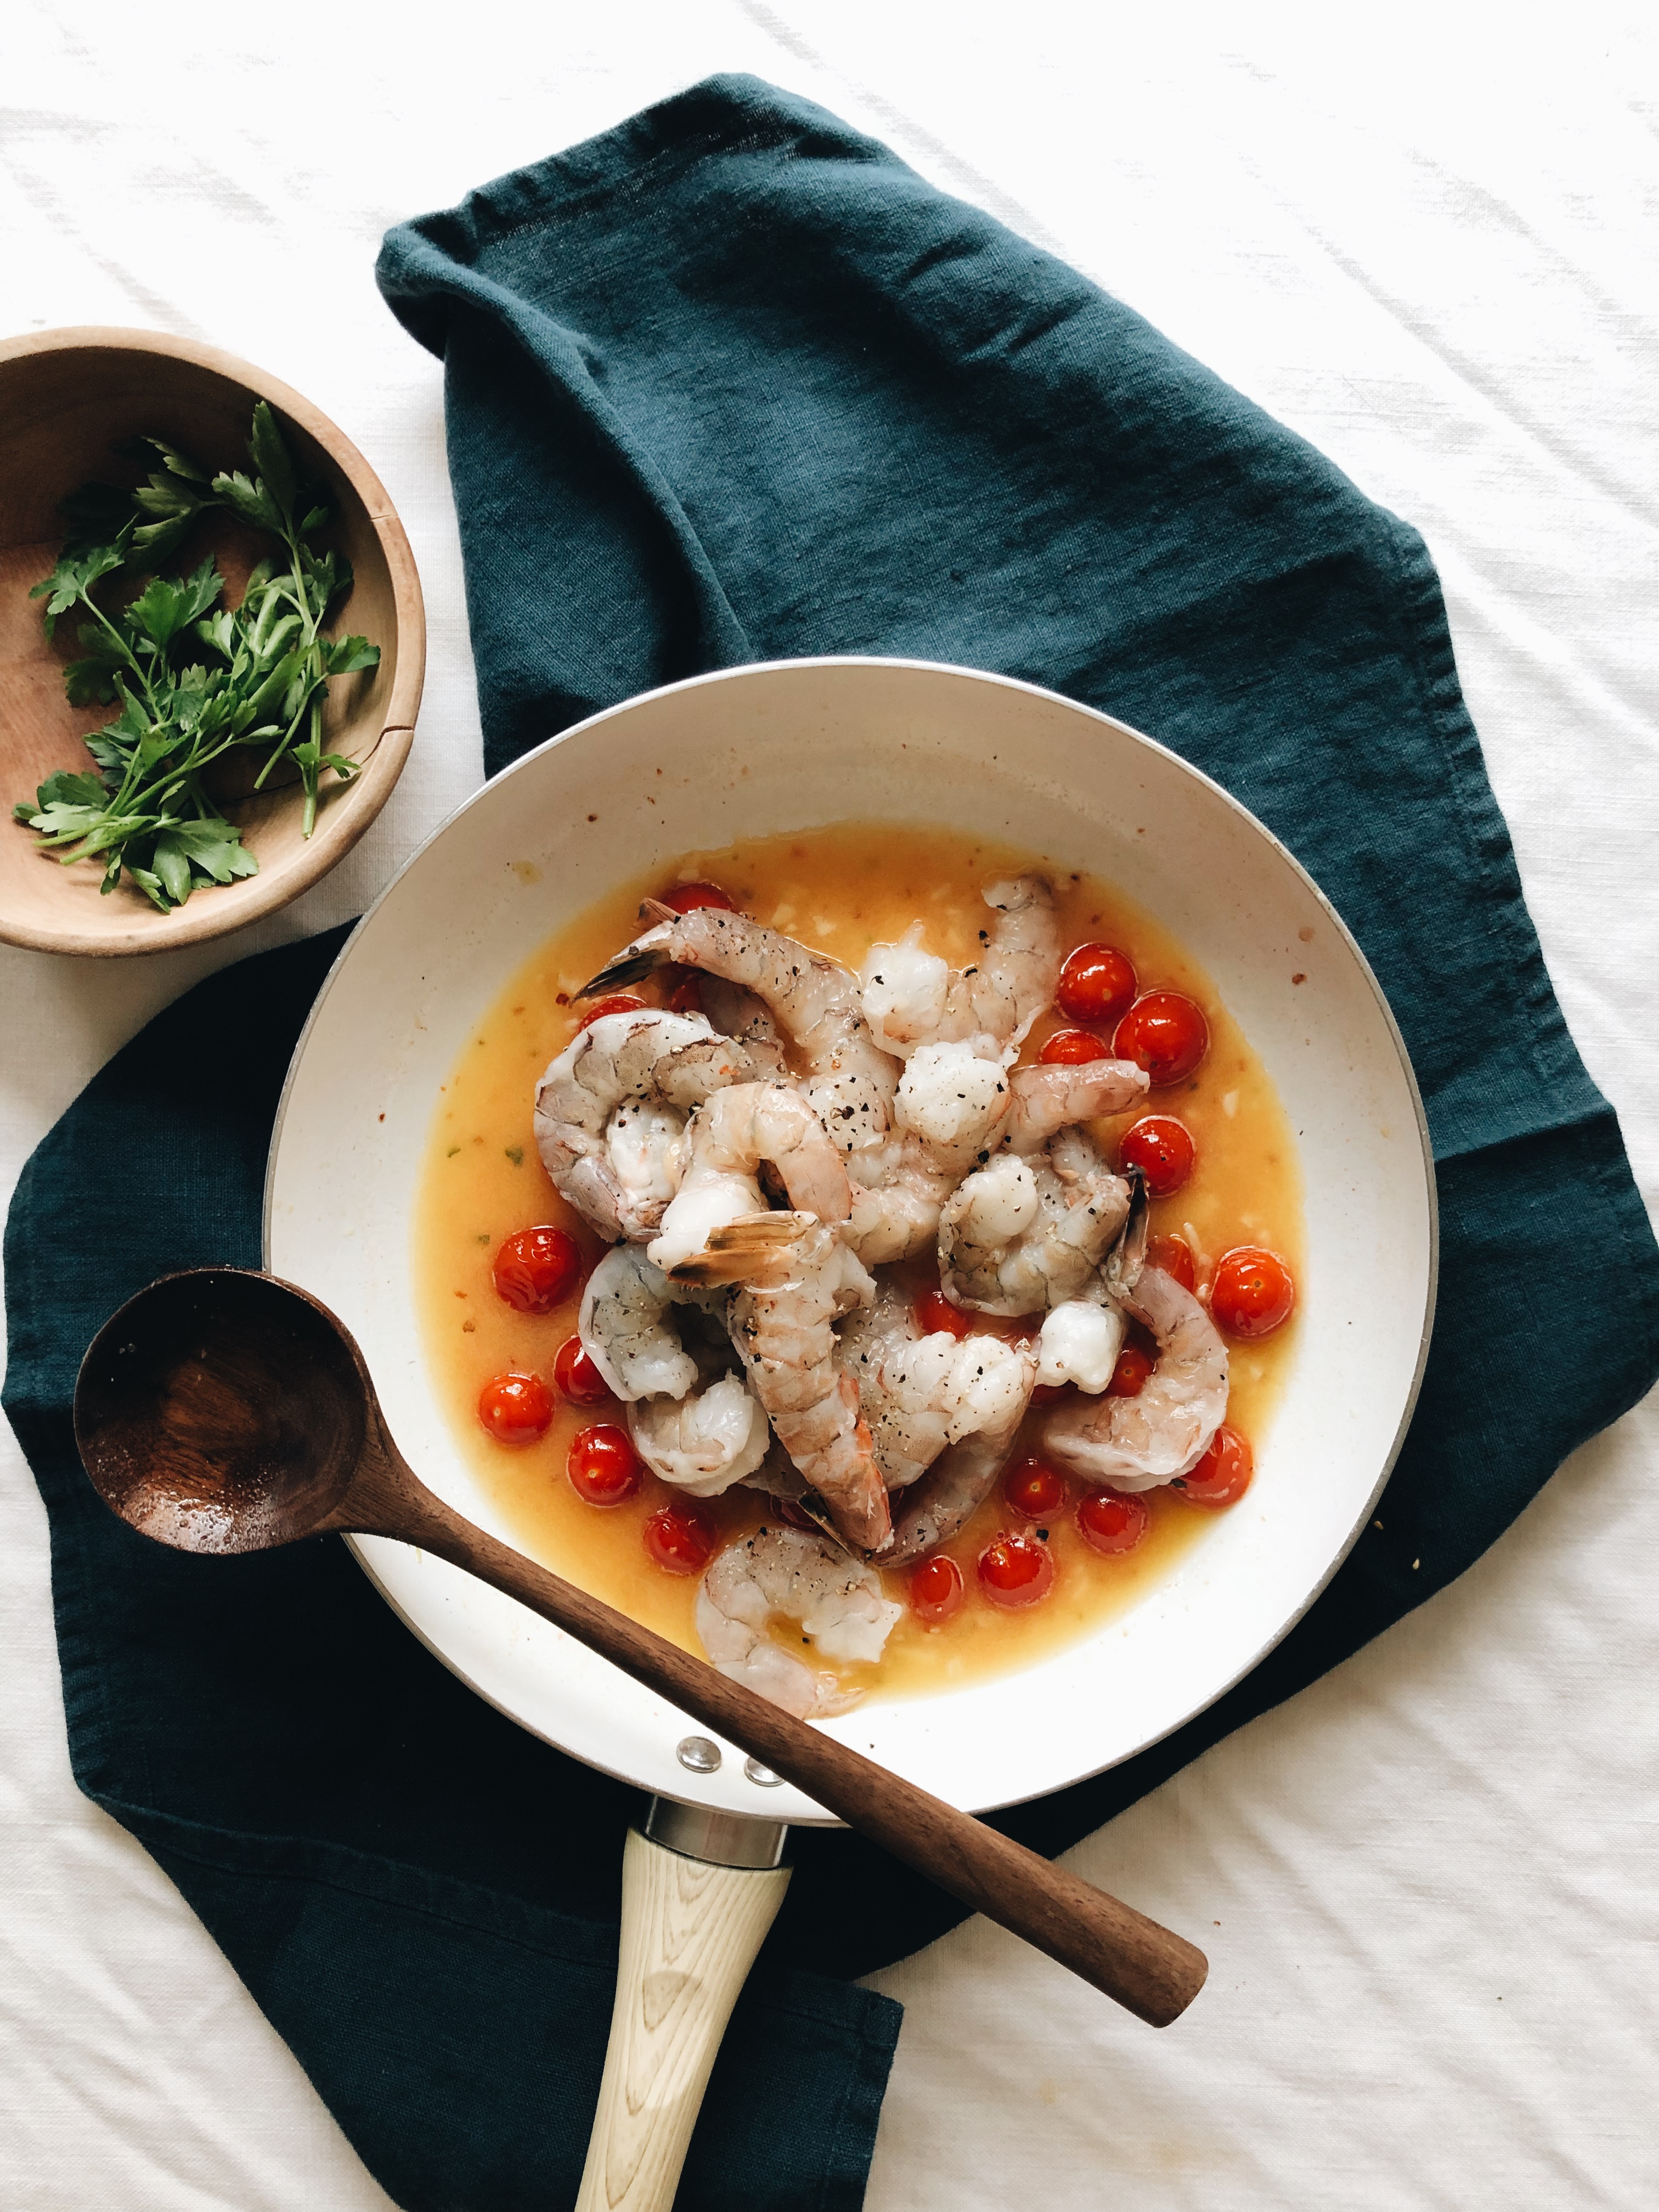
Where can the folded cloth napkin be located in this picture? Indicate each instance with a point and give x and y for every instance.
(732, 383)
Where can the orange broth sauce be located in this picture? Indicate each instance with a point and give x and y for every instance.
(838, 889)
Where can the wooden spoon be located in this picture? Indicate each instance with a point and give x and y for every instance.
(224, 1411)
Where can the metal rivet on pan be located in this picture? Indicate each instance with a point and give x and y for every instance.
(762, 1776)
(697, 1752)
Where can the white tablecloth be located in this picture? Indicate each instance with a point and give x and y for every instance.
(1426, 240)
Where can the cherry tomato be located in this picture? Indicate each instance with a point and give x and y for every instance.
(1165, 1034)
(516, 1408)
(1016, 1570)
(1035, 1490)
(1111, 1521)
(934, 1311)
(686, 997)
(1131, 1374)
(1223, 1476)
(576, 1375)
(1163, 1149)
(1070, 1047)
(1253, 1293)
(685, 898)
(1175, 1256)
(604, 1467)
(936, 1590)
(678, 1541)
(619, 1002)
(537, 1269)
(1096, 984)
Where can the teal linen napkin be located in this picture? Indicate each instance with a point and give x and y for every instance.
(733, 383)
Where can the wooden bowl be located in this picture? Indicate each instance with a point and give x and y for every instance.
(68, 399)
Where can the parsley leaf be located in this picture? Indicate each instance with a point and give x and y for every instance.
(178, 464)
(172, 507)
(161, 609)
(346, 655)
(76, 571)
(216, 848)
(251, 500)
(171, 865)
(270, 456)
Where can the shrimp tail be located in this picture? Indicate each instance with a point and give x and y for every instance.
(640, 958)
(737, 1251)
(1128, 1256)
(631, 965)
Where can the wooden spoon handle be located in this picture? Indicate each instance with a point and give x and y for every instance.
(1146, 1967)
(690, 1933)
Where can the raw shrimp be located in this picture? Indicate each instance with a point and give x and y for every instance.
(725, 1142)
(955, 1109)
(897, 1190)
(704, 1441)
(654, 1063)
(692, 1420)
(796, 1279)
(697, 1070)
(1136, 1444)
(920, 1393)
(1081, 1336)
(1049, 1098)
(849, 1080)
(736, 1012)
(1019, 1235)
(927, 1395)
(951, 1109)
(835, 1600)
(946, 1499)
(956, 1101)
(779, 1477)
(912, 999)
(883, 1328)
(1080, 1342)
(626, 1329)
(644, 1147)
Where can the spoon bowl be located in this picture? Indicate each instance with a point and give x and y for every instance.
(219, 1411)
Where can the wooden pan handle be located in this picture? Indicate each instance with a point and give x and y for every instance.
(1147, 1967)
(690, 1933)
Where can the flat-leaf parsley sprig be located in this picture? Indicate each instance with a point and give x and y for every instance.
(193, 679)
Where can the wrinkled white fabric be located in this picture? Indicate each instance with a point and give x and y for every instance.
(1423, 237)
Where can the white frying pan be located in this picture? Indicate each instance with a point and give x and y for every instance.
(759, 750)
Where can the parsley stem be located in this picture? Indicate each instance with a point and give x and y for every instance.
(281, 747)
(121, 646)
